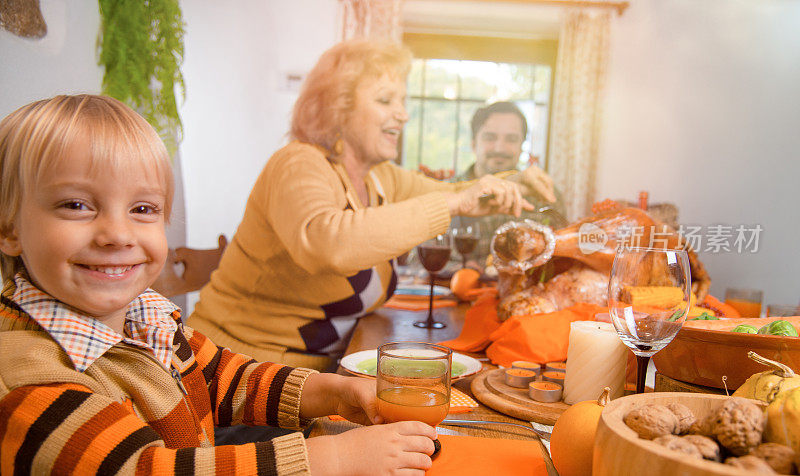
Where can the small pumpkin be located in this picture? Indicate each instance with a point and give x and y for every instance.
(765, 386)
(783, 419)
(572, 439)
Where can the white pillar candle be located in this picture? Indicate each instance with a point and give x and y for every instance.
(596, 358)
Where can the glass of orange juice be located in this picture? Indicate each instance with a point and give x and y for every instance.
(746, 301)
(413, 382)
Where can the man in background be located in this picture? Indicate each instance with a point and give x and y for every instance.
(498, 132)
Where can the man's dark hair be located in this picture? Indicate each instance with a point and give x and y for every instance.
(482, 114)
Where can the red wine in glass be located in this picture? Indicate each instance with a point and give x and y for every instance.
(465, 245)
(465, 239)
(433, 254)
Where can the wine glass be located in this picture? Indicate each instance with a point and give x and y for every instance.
(413, 382)
(465, 239)
(433, 254)
(648, 299)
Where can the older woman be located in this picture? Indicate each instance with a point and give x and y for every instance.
(330, 212)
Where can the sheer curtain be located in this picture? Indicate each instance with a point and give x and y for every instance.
(371, 19)
(576, 117)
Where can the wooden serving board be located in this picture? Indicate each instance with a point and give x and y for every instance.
(491, 390)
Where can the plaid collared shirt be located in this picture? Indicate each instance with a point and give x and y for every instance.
(148, 324)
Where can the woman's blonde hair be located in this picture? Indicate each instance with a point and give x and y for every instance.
(35, 137)
(328, 95)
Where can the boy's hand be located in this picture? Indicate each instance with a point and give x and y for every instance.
(357, 401)
(396, 448)
(353, 398)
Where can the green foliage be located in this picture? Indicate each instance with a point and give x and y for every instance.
(140, 45)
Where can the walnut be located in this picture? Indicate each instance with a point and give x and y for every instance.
(707, 447)
(685, 416)
(738, 425)
(651, 421)
(751, 463)
(779, 457)
(676, 443)
(702, 426)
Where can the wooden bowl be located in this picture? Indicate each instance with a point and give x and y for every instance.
(703, 356)
(618, 450)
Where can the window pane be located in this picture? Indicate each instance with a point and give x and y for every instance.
(438, 133)
(476, 79)
(466, 156)
(521, 85)
(411, 135)
(441, 79)
(414, 87)
(438, 137)
(541, 84)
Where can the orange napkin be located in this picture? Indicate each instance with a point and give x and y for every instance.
(416, 304)
(538, 338)
(480, 320)
(475, 456)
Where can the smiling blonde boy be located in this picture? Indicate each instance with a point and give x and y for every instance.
(98, 374)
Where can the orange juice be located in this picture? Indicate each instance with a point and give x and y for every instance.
(412, 403)
(745, 308)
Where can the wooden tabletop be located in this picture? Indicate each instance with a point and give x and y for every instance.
(391, 325)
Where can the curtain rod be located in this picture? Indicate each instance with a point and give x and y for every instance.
(618, 6)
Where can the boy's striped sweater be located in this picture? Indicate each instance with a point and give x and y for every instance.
(127, 414)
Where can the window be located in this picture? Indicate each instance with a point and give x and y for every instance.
(443, 94)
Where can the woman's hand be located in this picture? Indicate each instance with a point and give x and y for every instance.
(353, 398)
(490, 195)
(396, 448)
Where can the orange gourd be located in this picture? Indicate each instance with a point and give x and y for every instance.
(572, 439)
(463, 281)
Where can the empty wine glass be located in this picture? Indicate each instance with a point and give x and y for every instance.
(433, 254)
(465, 239)
(648, 299)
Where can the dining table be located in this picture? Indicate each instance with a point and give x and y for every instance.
(395, 325)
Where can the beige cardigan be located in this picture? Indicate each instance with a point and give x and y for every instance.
(309, 258)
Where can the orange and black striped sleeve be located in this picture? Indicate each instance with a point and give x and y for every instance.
(67, 429)
(243, 391)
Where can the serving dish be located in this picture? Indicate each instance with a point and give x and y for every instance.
(619, 451)
(704, 356)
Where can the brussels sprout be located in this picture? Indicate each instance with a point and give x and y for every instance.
(745, 329)
(779, 328)
(705, 317)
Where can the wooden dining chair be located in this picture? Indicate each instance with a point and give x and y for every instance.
(188, 269)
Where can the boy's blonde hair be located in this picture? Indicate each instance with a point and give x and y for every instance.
(328, 95)
(34, 137)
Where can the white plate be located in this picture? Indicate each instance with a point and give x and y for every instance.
(351, 363)
(420, 290)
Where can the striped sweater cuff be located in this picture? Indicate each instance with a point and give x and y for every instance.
(289, 404)
(436, 211)
(291, 455)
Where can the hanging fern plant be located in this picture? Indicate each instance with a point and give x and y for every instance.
(140, 45)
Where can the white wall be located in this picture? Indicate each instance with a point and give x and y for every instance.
(63, 62)
(703, 110)
(237, 110)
